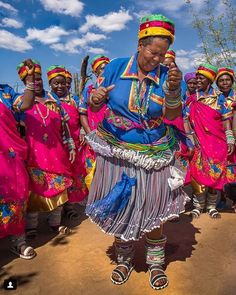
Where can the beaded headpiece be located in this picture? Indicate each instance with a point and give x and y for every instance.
(228, 71)
(22, 71)
(156, 25)
(97, 60)
(207, 70)
(55, 71)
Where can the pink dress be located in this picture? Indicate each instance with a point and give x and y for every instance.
(94, 118)
(78, 191)
(13, 176)
(48, 159)
(208, 165)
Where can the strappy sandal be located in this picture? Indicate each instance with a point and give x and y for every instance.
(154, 279)
(28, 252)
(214, 214)
(123, 277)
(195, 213)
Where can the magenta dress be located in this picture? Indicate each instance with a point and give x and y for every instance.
(78, 191)
(206, 115)
(94, 118)
(13, 174)
(48, 160)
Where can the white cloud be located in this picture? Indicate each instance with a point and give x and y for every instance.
(49, 35)
(113, 21)
(8, 7)
(11, 23)
(188, 60)
(95, 50)
(71, 7)
(73, 45)
(12, 42)
(168, 5)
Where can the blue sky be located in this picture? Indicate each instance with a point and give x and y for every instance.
(64, 31)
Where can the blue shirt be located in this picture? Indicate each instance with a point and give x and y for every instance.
(10, 99)
(138, 103)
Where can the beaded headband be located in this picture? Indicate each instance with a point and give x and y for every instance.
(207, 70)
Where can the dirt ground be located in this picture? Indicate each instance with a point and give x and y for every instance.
(201, 259)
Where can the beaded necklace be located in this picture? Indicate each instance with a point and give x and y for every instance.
(140, 102)
(44, 118)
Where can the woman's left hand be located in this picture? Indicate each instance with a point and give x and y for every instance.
(174, 77)
(230, 148)
(72, 155)
(29, 66)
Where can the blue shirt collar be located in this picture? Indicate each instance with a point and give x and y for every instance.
(131, 71)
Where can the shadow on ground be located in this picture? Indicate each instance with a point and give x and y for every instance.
(44, 236)
(179, 247)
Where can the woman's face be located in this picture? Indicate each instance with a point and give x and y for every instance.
(100, 69)
(58, 85)
(202, 82)
(192, 85)
(68, 83)
(38, 84)
(224, 83)
(151, 55)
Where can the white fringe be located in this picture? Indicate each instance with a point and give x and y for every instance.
(131, 156)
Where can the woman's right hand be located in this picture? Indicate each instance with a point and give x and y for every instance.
(100, 95)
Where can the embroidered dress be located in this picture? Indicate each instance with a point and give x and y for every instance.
(78, 191)
(13, 174)
(135, 155)
(206, 115)
(94, 118)
(48, 163)
(231, 168)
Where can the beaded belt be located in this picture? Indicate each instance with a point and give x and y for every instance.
(127, 124)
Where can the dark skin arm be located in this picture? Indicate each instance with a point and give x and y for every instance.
(29, 95)
(227, 126)
(173, 82)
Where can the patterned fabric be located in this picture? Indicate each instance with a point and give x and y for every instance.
(170, 54)
(22, 70)
(208, 71)
(97, 60)
(156, 25)
(208, 165)
(139, 106)
(13, 175)
(55, 71)
(225, 71)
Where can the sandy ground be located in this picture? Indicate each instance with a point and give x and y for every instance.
(201, 259)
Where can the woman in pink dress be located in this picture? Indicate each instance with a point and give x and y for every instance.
(225, 80)
(209, 123)
(14, 190)
(89, 118)
(51, 151)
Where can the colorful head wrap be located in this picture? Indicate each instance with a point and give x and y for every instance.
(228, 71)
(97, 60)
(170, 54)
(55, 71)
(207, 70)
(189, 76)
(156, 25)
(22, 71)
(68, 74)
